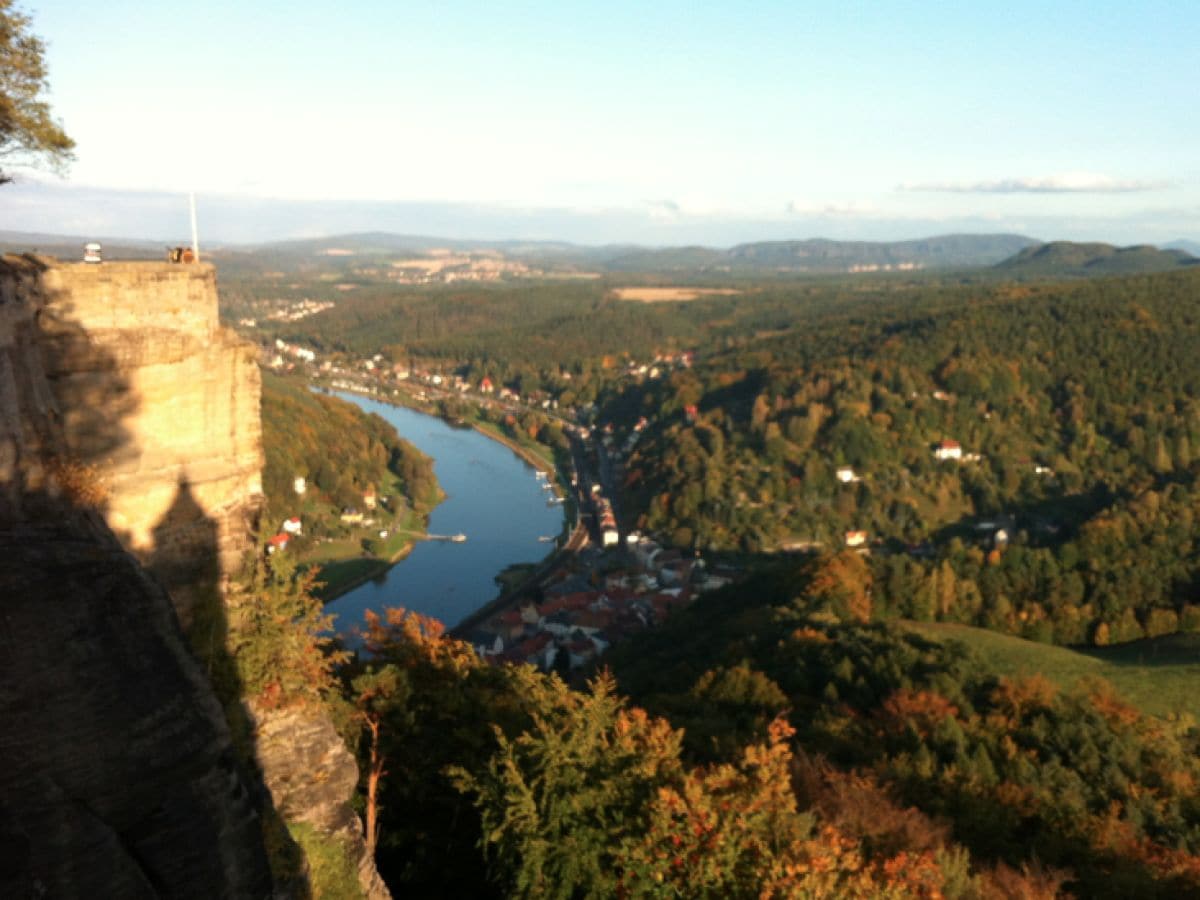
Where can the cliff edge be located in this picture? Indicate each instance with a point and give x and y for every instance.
(118, 776)
(146, 390)
(130, 429)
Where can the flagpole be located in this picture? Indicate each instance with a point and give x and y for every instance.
(195, 232)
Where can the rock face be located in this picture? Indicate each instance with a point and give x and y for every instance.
(149, 394)
(310, 775)
(117, 773)
(130, 427)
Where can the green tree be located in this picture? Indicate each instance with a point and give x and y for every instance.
(27, 133)
(279, 634)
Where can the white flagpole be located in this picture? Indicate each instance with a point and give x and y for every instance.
(195, 233)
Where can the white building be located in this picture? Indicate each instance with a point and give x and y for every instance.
(855, 538)
(948, 450)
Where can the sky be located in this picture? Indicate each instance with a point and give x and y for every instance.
(665, 122)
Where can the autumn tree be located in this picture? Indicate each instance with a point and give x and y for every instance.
(380, 695)
(279, 635)
(426, 700)
(27, 133)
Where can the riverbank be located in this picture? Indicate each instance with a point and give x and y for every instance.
(341, 570)
(540, 456)
(493, 500)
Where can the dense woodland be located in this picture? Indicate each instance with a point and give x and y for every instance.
(1082, 402)
(790, 735)
(1016, 770)
(775, 746)
(339, 450)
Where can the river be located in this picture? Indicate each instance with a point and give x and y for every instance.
(492, 496)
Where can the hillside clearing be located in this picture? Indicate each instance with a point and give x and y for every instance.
(1161, 676)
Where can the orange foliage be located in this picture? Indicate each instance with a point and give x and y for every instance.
(843, 579)
(921, 709)
(1013, 697)
(1104, 698)
(1117, 835)
(1033, 882)
(402, 635)
(811, 635)
(732, 825)
(859, 806)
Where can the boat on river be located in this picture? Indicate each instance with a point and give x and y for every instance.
(459, 538)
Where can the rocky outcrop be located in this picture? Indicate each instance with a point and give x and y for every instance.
(144, 389)
(130, 421)
(117, 773)
(310, 775)
(118, 776)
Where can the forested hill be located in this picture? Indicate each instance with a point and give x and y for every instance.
(902, 736)
(1072, 410)
(339, 450)
(1065, 258)
(816, 255)
(820, 255)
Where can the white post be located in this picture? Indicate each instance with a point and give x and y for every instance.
(195, 233)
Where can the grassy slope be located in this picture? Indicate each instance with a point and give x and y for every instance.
(1161, 676)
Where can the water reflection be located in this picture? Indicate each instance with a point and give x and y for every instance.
(493, 498)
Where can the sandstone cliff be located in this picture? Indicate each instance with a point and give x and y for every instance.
(129, 417)
(310, 774)
(145, 388)
(117, 773)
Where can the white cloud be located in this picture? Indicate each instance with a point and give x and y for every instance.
(829, 210)
(1064, 183)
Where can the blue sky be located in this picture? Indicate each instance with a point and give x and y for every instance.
(660, 122)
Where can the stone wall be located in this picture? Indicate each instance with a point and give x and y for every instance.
(153, 397)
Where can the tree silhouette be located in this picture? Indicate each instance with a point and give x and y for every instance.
(27, 133)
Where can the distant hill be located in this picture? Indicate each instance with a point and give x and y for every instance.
(820, 255)
(1192, 247)
(816, 255)
(67, 247)
(1070, 259)
(941, 252)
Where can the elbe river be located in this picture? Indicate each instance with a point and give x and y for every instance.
(492, 496)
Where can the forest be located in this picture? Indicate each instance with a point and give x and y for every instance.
(795, 734)
(1065, 516)
(1068, 515)
(766, 743)
(340, 452)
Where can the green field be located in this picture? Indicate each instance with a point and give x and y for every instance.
(343, 562)
(1160, 676)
